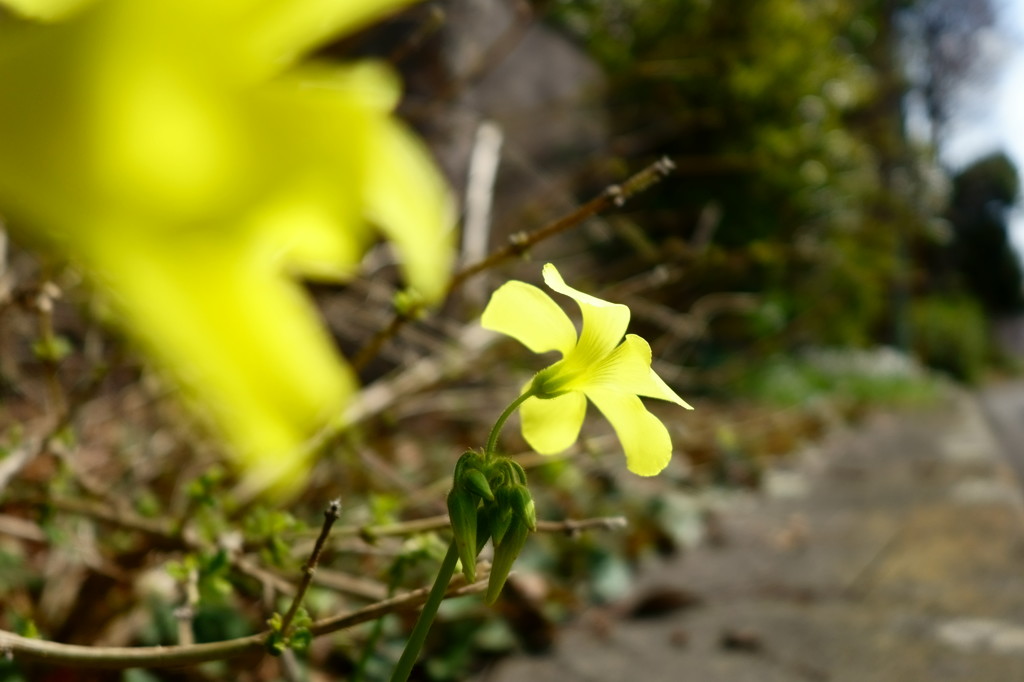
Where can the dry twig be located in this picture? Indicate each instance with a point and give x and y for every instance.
(331, 514)
(113, 658)
(520, 243)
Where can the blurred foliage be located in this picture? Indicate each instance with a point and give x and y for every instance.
(751, 101)
(951, 334)
(797, 181)
(990, 268)
(855, 379)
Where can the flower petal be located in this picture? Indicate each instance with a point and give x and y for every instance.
(604, 323)
(662, 391)
(625, 370)
(530, 316)
(644, 438)
(628, 370)
(44, 10)
(551, 426)
(276, 32)
(554, 280)
(420, 224)
(212, 321)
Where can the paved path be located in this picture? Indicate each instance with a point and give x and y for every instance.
(892, 553)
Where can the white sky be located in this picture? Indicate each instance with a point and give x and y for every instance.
(994, 119)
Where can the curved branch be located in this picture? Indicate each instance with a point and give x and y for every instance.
(83, 656)
(441, 521)
(113, 658)
(613, 196)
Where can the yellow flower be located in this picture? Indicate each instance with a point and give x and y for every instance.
(602, 366)
(175, 151)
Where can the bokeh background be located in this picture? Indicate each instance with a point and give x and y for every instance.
(839, 236)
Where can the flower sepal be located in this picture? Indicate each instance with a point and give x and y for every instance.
(498, 516)
(505, 554)
(523, 507)
(462, 512)
(475, 481)
(489, 500)
(470, 475)
(549, 383)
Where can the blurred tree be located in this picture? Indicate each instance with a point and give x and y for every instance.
(785, 119)
(983, 193)
(942, 41)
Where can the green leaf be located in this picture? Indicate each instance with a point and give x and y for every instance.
(216, 562)
(276, 644)
(27, 628)
(52, 349)
(275, 622)
(300, 639)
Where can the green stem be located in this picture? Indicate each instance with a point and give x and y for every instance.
(492, 440)
(426, 619)
(447, 570)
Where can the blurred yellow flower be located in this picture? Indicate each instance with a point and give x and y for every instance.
(602, 366)
(176, 152)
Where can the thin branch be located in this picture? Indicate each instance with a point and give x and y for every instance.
(574, 527)
(483, 169)
(432, 24)
(17, 527)
(613, 196)
(5, 279)
(17, 459)
(30, 448)
(363, 588)
(379, 396)
(331, 514)
(367, 532)
(404, 602)
(371, 533)
(78, 656)
(441, 522)
(101, 512)
(185, 613)
(48, 349)
(495, 53)
(270, 581)
(372, 349)
(24, 648)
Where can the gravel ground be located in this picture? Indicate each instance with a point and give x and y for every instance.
(891, 552)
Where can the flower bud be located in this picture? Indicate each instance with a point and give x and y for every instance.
(505, 554)
(474, 481)
(522, 505)
(511, 471)
(462, 506)
(469, 460)
(499, 515)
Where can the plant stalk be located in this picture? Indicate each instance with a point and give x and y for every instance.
(426, 619)
(492, 440)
